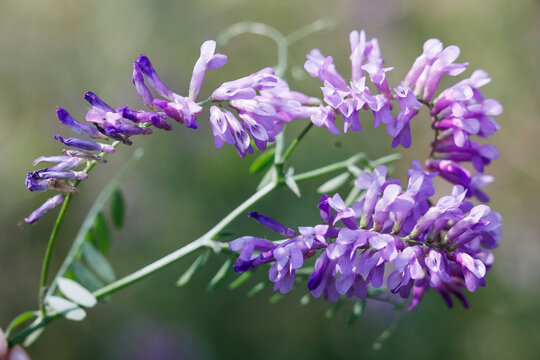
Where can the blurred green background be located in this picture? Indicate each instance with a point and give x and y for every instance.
(52, 51)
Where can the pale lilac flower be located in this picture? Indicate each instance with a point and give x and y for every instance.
(343, 212)
(474, 270)
(447, 208)
(246, 87)
(373, 184)
(207, 60)
(325, 117)
(288, 257)
(227, 128)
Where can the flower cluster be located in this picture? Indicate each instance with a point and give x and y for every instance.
(458, 112)
(387, 230)
(262, 101)
(348, 99)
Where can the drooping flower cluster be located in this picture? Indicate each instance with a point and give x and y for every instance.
(387, 230)
(349, 99)
(458, 112)
(261, 100)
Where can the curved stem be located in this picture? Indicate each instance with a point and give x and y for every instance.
(50, 246)
(203, 241)
(295, 142)
(92, 213)
(54, 233)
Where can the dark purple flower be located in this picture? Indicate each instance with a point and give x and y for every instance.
(44, 208)
(77, 127)
(450, 171)
(272, 224)
(85, 144)
(248, 245)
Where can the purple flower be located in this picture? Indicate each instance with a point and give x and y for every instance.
(207, 60)
(182, 109)
(45, 208)
(348, 100)
(85, 144)
(248, 245)
(400, 128)
(429, 68)
(111, 121)
(479, 155)
(322, 280)
(447, 208)
(373, 184)
(474, 270)
(272, 224)
(288, 257)
(324, 116)
(343, 212)
(451, 171)
(77, 127)
(227, 128)
(246, 87)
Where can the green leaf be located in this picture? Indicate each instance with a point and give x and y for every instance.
(305, 299)
(220, 276)
(384, 160)
(257, 288)
(20, 319)
(333, 184)
(76, 293)
(222, 234)
(262, 161)
(30, 339)
(200, 261)
(241, 279)
(117, 209)
(101, 233)
(66, 308)
(97, 262)
(291, 184)
(89, 220)
(354, 170)
(357, 311)
(275, 298)
(85, 276)
(334, 309)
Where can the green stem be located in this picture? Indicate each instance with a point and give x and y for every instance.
(90, 218)
(19, 337)
(203, 241)
(54, 234)
(328, 168)
(50, 246)
(295, 142)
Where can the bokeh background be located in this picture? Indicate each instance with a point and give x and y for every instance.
(52, 51)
